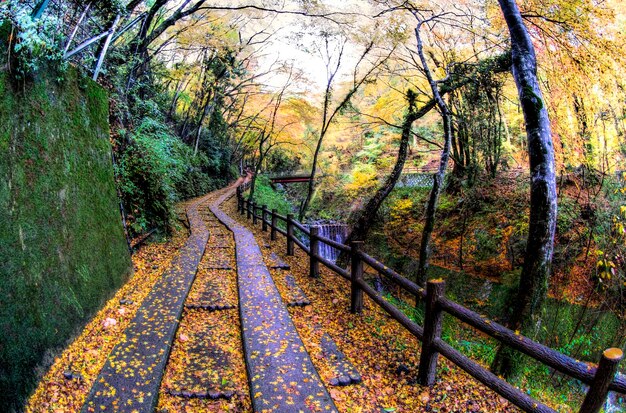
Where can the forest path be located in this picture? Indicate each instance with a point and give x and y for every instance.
(130, 379)
(281, 374)
(236, 325)
(183, 348)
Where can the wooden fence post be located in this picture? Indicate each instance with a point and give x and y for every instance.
(314, 264)
(264, 218)
(356, 275)
(274, 225)
(599, 389)
(254, 208)
(289, 234)
(435, 289)
(248, 215)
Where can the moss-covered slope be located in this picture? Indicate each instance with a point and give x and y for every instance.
(62, 247)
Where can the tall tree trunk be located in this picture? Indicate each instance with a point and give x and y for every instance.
(182, 84)
(311, 184)
(257, 163)
(439, 177)
(365, 217)
(328, 115)
(543, 196)
(207, 112)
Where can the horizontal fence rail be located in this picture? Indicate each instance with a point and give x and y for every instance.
(407, 284)
(600, 379)
(301, 227)
(545, 355)
(334, 267)
(335, 244)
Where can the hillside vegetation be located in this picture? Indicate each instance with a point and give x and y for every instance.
(514, 111)
(62, 244)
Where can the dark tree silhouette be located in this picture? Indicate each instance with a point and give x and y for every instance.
(533, 285)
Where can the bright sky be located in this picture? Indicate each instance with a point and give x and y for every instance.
(284, 45)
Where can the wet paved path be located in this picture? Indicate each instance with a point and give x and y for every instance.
(130, 379)
(281, 374)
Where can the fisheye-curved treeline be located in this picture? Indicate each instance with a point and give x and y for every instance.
(482, 142)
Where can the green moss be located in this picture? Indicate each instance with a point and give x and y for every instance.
(529, 94)
(62, 247)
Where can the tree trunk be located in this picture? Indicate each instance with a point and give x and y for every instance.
(364, 218)
(207, 111)
(257, 165)
(368, 212)
(328, 115)
(543, 197)
(140, 44)
(439, 177)
(182, 84)
(311, 184)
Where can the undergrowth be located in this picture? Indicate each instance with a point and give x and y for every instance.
(266, 194)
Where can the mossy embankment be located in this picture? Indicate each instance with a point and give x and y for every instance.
(62, 246)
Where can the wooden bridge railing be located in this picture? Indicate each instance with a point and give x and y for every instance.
(600, 380)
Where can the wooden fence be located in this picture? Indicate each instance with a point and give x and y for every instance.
(600, 379)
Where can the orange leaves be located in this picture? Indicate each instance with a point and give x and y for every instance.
(84, 358)
(382, 351)
(206, 371)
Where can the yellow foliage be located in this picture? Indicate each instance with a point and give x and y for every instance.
(400, 209)
(362, 180)
(385, 162)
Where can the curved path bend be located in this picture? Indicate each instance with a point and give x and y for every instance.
(281, 375)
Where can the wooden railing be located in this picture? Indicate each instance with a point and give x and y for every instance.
(600, 380)
(299, 172)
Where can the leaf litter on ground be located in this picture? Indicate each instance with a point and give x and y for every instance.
(385, 354)
(67, 382)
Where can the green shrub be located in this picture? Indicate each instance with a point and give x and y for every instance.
(569, 212)
(155, 170)
(486, 244)
(35, 44)
(265, 194)
(281, 160)
(447, 204)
